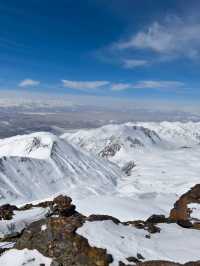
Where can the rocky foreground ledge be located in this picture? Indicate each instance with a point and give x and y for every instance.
(53, 233)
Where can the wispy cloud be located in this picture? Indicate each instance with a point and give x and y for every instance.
(84, 85)
(149, 84)
(152, 84)
(28, 83)
(133, 63)
(173, 37)
(120, 86)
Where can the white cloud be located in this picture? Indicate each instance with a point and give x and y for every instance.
(152, 84)
(132, 63)
(120, 86)
(28, 83)
(174, 37)
(149, 84)
(84, 85)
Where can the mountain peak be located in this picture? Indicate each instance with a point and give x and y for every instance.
(37, 145)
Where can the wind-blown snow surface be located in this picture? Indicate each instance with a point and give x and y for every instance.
(24, 257)
(173, 243)
(166, 156)
(39, 165)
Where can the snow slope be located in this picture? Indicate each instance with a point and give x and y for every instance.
(173, 243)
(24, 257)
(39, 165)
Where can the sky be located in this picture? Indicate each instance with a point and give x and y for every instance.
(147, 49)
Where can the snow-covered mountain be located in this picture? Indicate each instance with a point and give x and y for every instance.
(160, 160)
(122, 143)
(39, 165)
(177, 133)
(134, 135)
(130, 171)
(114, 138)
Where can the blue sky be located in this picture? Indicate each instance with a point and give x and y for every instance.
(133, 49)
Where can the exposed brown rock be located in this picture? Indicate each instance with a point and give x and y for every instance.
(181, 212)
(56, 237)
(59, 241)
(62, 206)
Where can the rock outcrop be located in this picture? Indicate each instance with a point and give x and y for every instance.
(56, 236)
(181, 213)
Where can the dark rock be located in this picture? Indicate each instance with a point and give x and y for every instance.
(26, 207)
(62, 206)
(2, 250)
(140, 257)
(157, 219)
(127, 168)
(160, 263)
(7, 211)
(110, 150)
(134, 142)
(132, 259)
(185, 223)
(150, 227)
(97, 217)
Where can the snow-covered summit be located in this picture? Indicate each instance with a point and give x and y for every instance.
(37, 145)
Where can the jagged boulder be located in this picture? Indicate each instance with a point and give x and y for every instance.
(62, 206)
